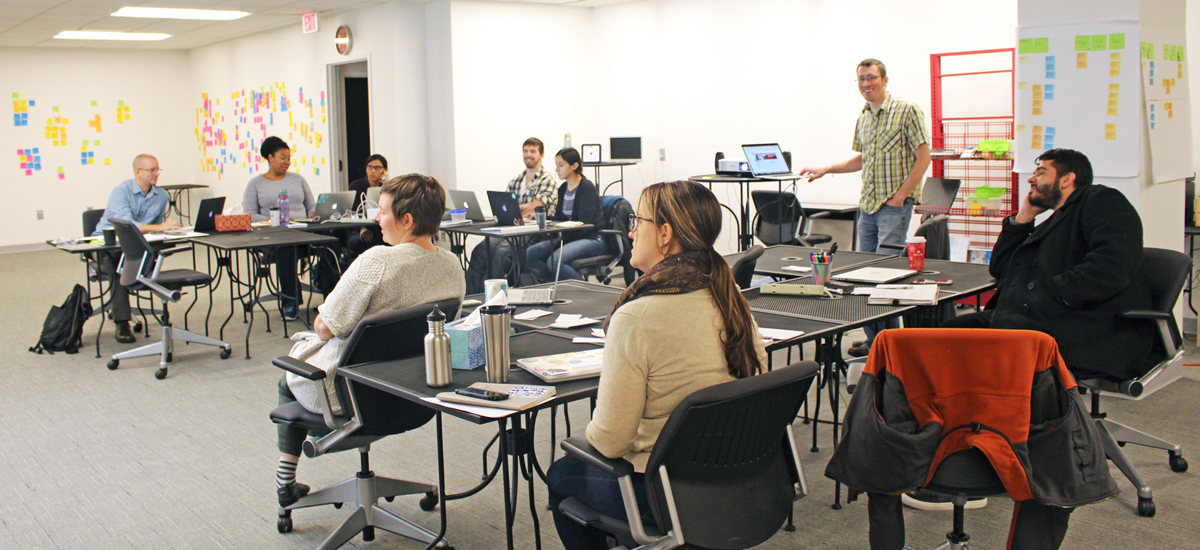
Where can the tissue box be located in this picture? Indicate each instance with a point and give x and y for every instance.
(466, 346)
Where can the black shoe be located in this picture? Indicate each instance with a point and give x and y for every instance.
(858, 351)
(290, 493)
(124, 333)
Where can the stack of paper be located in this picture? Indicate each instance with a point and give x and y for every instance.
(572, 320)
(903, 295)
(512, 229)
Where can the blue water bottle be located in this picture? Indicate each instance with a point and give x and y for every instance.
(284, 209)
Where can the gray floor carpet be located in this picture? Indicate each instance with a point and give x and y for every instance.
(98, 459)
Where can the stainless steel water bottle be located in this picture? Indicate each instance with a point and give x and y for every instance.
(437, 351)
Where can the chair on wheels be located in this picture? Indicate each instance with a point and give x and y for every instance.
(367, 416)
(709, 485)
(779, 219)
(141, 270)
(743, 268)
(617, 244)
(961, 476)
(91, 218)
(1166, 272)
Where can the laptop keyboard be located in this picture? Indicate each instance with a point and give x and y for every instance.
(530, 295)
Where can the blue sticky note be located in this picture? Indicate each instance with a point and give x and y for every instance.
(83, 161)
(1049, 59)
(316, 171)
(1151, 107)
(1049, 74)
(1152, 80)
(35, 150)
(91, 154)
(37, 166)
(1048, 96)
(16, 120)
(1151, 125)
(1151, 116)
(1049, 88)
(1046, 146)
(32, 103)
(322, 102)
(1049, 130)
(271, 120)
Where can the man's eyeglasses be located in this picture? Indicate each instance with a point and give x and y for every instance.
(152, 170)
(634, 219)
(374, 167)
(868, 78)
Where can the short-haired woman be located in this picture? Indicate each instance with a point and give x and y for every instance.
(410, 272)
(262, 194)
(578, 200)
(681, 327)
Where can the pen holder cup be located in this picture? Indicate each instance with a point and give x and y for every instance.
(496, 321)
(820, 272)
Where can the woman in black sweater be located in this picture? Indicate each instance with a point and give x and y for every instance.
(578, 200)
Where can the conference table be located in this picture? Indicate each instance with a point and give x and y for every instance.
(459, 233)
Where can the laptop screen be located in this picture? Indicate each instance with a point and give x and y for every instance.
(766, 159)
(939, 192)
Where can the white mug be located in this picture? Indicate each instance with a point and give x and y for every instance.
(492, 287)
(275, 217)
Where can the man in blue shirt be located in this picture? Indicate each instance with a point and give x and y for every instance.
(138, 200)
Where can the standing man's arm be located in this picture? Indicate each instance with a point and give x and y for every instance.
(853, 164)
(913, 179)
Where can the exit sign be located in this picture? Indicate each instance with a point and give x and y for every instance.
(309, 23)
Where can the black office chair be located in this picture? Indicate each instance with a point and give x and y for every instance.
(1166, 272)
(709, 485)
(141, 270)
(617, 244)
(779, 219)
(960, 476)
(743, 268)
(91, 218)
(368, 415)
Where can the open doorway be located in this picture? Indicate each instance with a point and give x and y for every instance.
(350, 121)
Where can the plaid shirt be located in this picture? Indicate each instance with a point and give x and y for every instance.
(888, 141)
(542, 188)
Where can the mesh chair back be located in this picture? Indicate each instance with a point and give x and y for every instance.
(133, 246)
(778, 216)
(936, 231)
(729, 461)
(91, 218)
(1166, 271)
(743, 269)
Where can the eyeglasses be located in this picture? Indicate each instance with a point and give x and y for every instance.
(374, 167)
(152, 170)
(868, 78)
(634, 219)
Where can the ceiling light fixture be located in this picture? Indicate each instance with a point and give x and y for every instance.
(111, 35)
(178, 13)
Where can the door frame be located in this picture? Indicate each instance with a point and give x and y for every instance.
(335, 74)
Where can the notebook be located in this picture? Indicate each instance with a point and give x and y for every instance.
(506, 208)
(561, 367)
(874, 275)
(766, 161)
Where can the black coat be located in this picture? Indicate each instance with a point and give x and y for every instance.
(1070, 277)
(586, 209)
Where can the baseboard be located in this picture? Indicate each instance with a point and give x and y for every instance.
(18, 248)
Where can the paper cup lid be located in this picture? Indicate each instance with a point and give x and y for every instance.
(915, 239)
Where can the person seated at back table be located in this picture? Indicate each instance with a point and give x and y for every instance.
(578, 200)
(412, 271)
(262, 194)
(680, 328)
(376, 174)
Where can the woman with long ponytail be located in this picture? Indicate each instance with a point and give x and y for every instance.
(681, 327)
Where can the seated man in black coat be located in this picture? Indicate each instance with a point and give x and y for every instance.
(1071, 275)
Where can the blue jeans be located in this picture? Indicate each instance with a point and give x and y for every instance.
(570, 477)
(543, 257)
(888, 225)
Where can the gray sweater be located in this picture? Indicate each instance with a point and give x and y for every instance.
(262, 195)
(382, 279)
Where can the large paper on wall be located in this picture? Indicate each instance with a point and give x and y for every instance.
(1168, 109)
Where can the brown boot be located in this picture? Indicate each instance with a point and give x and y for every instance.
(124, 333)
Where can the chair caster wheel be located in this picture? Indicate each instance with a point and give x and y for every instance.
(1146, 507)
(113, 364)
(284, 524)
(389, 499)
(137, 327)
(337, 505)
(1178, 463)
(429, 502)
(225, 353)
(160, 374)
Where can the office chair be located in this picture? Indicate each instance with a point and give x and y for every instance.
(367, 416)
(148, 275)
(960, 476)
(779, 219)
(91, 218)
(743, 268)
(617, 244)
(1166, 272)
(709, 485)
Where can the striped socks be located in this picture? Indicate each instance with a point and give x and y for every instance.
(285, 473)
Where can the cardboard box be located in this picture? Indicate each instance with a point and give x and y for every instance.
(466, 346)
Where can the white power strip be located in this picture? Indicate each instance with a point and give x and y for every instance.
(792, 290)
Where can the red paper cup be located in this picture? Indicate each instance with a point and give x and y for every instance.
(916, 255)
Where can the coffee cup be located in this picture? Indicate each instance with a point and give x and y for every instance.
(110, 237)
(916, 253)
(539, 213)
(492, 287)
(275, 217)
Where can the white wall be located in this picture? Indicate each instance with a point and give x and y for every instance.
(152, 84)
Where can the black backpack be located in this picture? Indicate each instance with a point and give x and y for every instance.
(63, 329)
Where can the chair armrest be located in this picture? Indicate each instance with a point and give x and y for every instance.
(299, 368)
(818, 215)
(173, 250)
(1145, 314)
(579, 447)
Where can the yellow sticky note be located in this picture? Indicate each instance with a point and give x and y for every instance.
(1037, 129)
(1023, 60)
(1022, 85)
(1037, 104)
(1170, 114)
(1112, 111)
(1114, 87)
(1081, 60)
(1115, 56)
(1114, 73)
(1020, 127)
(1037, 88)
(107, 161)
(1168, 105)
(1037, 111)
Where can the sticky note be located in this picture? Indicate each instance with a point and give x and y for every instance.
(16, 95)
(1041, 45)
(1025, 45)
(1099, 42)
(1083, 42)
(1022, 85)
(1081, 60)
(1050, 74)
(107, 161)
(1023, 60)
(1149, 50)
(1116, 41)
(1114, 73)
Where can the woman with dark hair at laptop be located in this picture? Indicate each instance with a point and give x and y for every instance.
(578, 200)
(368, 236)
(412, 271)
(262, 194)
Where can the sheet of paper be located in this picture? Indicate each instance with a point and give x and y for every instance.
(778, 334)
(486, 412)
(598, 332)
(531, 314)
(571, 320)
(798, 268)
(587, 340)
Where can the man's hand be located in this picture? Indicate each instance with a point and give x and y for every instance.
(897, 200)
(1028, 211)
(814, 173)
(527, 209)
(171, 224)
(365, 234)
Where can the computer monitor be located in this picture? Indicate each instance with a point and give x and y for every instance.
(625, 148)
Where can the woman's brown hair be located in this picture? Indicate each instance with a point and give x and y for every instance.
(419, 195)
(695, 217)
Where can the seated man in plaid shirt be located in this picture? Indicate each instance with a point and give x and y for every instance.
(534, 186)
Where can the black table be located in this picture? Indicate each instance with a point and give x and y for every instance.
(406, 378)
(775, 257)
(254, 244)
(175, 193)
(621, 164)
(459, 233)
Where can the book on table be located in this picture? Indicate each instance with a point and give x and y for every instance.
(561, 367)
(520, 396)
(904, 295)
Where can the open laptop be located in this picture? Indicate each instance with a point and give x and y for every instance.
(505, 207)
(373, 195)
(331, 203)
(937, 196)
(874, 275)
(766, 161)
(206, 217)
(537, 296)
(466, 200)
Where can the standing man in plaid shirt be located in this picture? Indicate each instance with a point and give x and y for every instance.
(893, 154)
(534, 187)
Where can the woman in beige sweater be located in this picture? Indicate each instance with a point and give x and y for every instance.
(681, 327)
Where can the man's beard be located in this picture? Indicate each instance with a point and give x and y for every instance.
(1048, 197)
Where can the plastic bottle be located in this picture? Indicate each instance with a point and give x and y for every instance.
(284, 209)
(437, 351)
(567, 140)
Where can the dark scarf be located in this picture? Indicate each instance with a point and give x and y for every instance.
(678, 274)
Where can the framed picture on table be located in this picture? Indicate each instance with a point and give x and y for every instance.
(590, 152)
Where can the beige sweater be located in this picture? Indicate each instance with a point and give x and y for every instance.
(658, 350)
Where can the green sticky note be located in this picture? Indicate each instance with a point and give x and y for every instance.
(1116, 41)
(96, 143)
(1149, 50)
(1181, 53)
(1025, 45)
(93, 103)
(16, 95)
(56, 109)
(1099, 42)
(1171, 54)
(1041, 45)
(1083, 42)
(120, 104)
(60, 169)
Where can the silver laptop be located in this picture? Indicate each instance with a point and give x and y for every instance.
(537, 296)
(330, 203)
(766, 161)
(373, 195)
(465, 200)
(875, 275)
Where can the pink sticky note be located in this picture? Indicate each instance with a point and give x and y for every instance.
(62, 176)
(29, 172)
